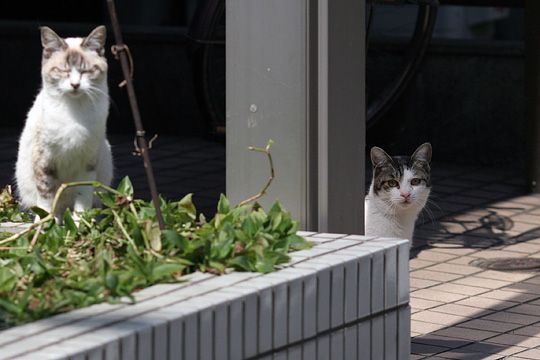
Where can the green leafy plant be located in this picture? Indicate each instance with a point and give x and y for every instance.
(111, 252)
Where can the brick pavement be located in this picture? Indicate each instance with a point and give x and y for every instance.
(460, 311)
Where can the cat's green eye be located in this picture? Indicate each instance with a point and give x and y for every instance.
(392, 183)
(415, 181)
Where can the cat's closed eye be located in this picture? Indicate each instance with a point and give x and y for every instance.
(58, 70)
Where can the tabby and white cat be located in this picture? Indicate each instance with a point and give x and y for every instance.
(399, 191)
(64, 136)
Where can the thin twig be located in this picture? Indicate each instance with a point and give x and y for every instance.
(7, 248)
(261, 193)
(124, 231)
(35, 237)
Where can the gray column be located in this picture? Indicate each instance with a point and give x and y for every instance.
(295, 74)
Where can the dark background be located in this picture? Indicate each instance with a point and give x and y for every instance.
(467, 99)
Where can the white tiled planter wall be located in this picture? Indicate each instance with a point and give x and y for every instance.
(346, 298)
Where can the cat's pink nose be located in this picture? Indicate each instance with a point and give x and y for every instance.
(405, 195)
(75, 86)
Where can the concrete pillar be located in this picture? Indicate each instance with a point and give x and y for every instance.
(295, 74)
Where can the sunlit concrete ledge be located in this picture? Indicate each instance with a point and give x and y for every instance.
(347, 297)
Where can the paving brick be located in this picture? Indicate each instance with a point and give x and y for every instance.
(462, 260)
(508, 317)
(460, 354)
(458, 251)
(434, 275)
(486, 303)
(423, 327)
(530, 354)
(435, 256)
(533, 280)
(443, 341)
(525, 248)
(454, 269)
(415, 264)
(438, 317)
(460, 289)
(481, 282)
(490, 325)
(426, 349)
(497, 253)
(513, 339)
(528, 331)
(524, 288)
(424, 303)
(461, 310)
(465, 333)
(436, 295)
(423, 283)
(509, 296)
(527, 309)
(492, 348)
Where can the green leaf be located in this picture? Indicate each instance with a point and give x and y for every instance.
(242, 262)
(106, 199)
(223, 206)
(39, 211)
(8, 280)
(264, 265)
(111, 282)
(69, 223)
(249, 227)
(10, 307)
(153, 233)
(187, 205)
(164, 270)
(298, 243)
(217, 266)
(125, 187)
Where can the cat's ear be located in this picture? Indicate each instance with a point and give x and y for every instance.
(96, 40)
(379, 156)
(423, 153)
(51, 41)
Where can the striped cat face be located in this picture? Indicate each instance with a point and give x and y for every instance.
(401, 181)
(73, 66)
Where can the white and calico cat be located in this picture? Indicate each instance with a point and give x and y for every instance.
(399, 191)
(64, 136)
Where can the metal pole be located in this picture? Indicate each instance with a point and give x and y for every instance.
(140, 133)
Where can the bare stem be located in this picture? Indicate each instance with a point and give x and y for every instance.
(35, 237)
(270, 178)
(124, 231)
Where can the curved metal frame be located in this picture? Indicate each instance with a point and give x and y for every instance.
(425, 22)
